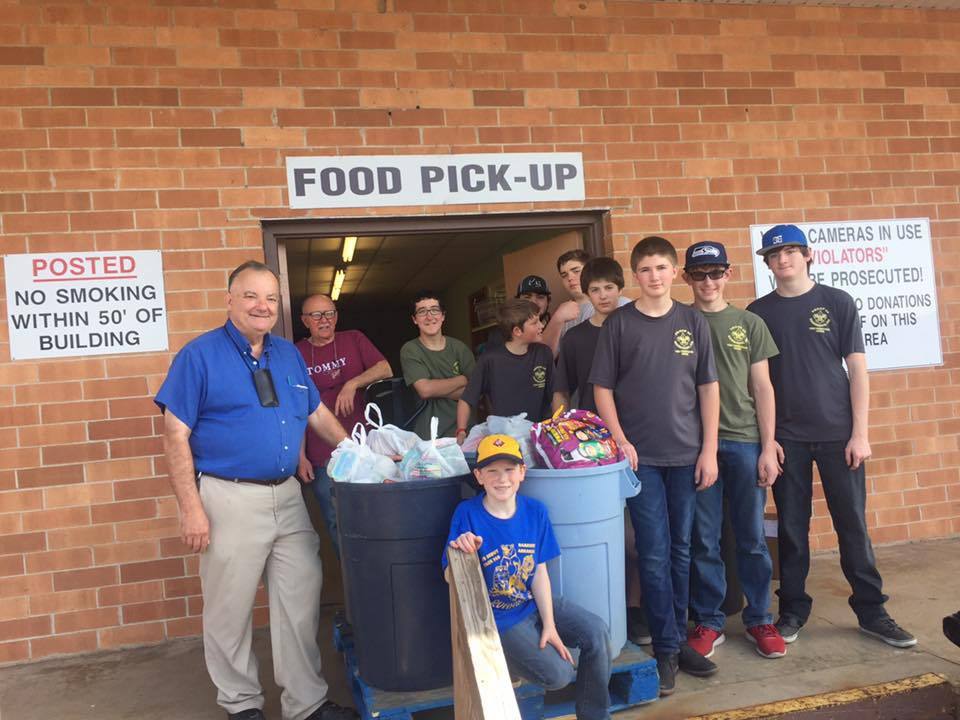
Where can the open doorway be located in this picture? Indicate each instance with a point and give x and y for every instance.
(473, 261)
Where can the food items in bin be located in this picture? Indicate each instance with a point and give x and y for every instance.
(353, 462)
(387, 439)
(433, 459)
(574, 439)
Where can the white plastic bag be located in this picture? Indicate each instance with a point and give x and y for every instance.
(387, 439)
(352, 461)
(434, 458)
(517, 427)
(477, 433)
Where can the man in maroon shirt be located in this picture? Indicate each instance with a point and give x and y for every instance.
(341, 364)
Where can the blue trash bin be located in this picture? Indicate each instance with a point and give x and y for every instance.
(586, 510)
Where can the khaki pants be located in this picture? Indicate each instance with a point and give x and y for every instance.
(261, 531)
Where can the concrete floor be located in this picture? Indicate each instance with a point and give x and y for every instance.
(169, 681)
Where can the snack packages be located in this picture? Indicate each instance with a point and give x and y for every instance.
(387, 439)
(574, 439)
(352, 461)
(434, 458)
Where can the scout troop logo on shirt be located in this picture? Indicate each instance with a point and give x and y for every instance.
(539, 376)
(820, 320)
(513, 566)
(456, 368)
(683, 342)
(737, 338)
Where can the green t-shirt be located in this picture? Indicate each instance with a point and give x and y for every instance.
(419, 363)
(740, 339)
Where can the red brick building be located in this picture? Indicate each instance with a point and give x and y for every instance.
(164, 124)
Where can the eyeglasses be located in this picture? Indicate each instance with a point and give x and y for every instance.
(324, 315)
(432, 311)
(700, 275)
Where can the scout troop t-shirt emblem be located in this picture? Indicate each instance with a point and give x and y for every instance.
(820, 320)
(737, 338)
(456, 368)
(683, 342)
(539, 376)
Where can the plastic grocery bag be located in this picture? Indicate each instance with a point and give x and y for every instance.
(575, 439)
(352, 461)
(519, 428)
(434, 458)
(477, 433)
(387, 439)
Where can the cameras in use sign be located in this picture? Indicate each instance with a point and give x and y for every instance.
(98, 303)
(394, 180)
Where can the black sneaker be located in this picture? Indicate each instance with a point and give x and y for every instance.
(667, 666)
(884, 628)
(693, 663)
(332, 711)
(638, 632)
(951, 628)
(248, 714)
(788, 627)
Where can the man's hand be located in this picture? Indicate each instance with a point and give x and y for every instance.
(566, 311)
(857, 450)
(770, 465)
(629, 452)
(549, 636)
(345, 400)
(195, 529)
(305, 470)
(706, 471)
(467, 542)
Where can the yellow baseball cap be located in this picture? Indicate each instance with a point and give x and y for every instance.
(498, 447)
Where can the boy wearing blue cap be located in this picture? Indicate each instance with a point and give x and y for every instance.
(747, 457)
(821, 417)
(515, 539)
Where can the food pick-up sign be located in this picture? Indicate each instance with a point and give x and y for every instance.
(394, 180)
(97, 303)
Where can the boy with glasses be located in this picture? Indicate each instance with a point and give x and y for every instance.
(822, 418)
(436, 366)
(748, 461)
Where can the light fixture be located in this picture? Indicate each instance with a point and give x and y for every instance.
(349, 245)
(338, 279)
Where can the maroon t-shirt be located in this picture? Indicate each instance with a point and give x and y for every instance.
(348, 355)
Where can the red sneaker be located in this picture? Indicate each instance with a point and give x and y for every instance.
(768, 641)
(704, 640)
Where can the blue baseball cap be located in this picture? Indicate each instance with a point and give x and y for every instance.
(705, 253)
(780, 236)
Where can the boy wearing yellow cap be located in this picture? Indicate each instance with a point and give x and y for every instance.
(515, 539)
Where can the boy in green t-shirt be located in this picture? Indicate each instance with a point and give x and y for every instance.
(748, 458)
(436, 366)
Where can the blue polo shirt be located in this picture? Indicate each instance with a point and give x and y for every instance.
(209, 388)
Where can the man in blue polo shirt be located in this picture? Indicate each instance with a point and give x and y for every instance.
(236, 403)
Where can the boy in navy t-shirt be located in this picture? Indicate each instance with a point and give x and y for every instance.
(515, 539)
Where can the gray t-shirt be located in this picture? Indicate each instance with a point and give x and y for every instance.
(573, 365)
(586, 312)
(513, 383)
(814, 332)
(419, 363)
(740, 339)
(654, 366)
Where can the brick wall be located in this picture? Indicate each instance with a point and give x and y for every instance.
(164, 123)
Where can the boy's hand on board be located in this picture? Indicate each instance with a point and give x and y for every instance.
(467, 542)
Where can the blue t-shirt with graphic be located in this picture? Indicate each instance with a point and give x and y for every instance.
(511, 550)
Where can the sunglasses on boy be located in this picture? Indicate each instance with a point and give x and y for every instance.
(701, 275)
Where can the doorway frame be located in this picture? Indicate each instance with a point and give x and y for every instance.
(594, 224)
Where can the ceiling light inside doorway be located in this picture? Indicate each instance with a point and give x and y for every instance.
(338, 279)
(349, 246)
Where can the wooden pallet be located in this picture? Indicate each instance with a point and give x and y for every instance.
(633, 682)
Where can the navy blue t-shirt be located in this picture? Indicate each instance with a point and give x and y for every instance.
(511, 550)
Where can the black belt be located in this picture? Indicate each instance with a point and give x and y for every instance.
(254, 481)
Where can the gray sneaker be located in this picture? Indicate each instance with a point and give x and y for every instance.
(884, 628)
(788, 627)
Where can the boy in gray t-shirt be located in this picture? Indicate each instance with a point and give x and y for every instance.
(656, 388)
